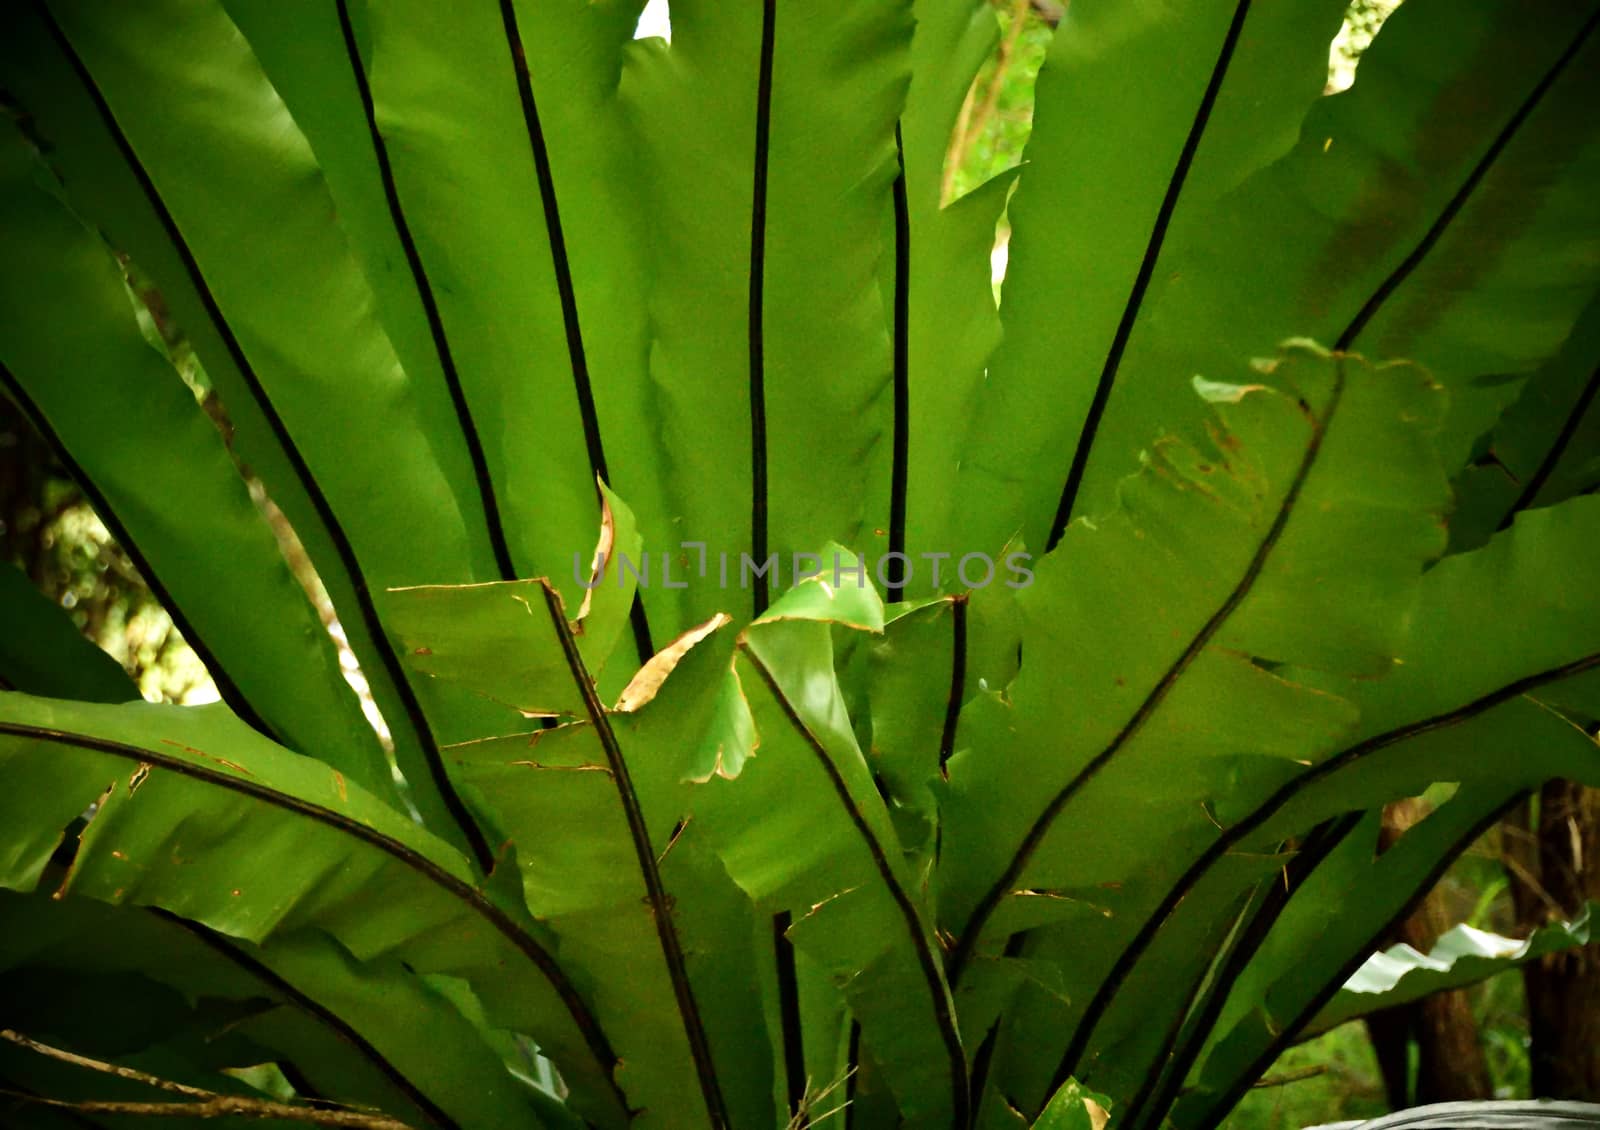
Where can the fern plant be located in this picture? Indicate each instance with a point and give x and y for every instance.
(809, 692)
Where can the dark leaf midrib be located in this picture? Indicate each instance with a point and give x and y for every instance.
(594, 1037)
(566, 291)
(958, 678)
(342, 1030)
(1185, 1044)
(1041, 826)
(471, 833)
(900, 469)
(853, 1066)
(1275, 803)
(1140, 1097)
(1141, 283)
(661, 910)
(1462, 195)
(983, 1059)
(926, 960)
(1276, 1046)
(757, 308)
(789, 1024)
(1558, 449)
(430, 304)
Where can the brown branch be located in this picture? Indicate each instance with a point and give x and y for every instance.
(105, 1068)
(209, 1104)
(1002, 63)
(957, 151)
(223, 1106)
(970, 125)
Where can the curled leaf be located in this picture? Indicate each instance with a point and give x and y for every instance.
(644, 685)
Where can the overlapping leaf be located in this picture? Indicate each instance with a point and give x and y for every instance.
(766, 140)
(44, 653)
(773, 751)
(793, 811)
(938, 296)
(1404, 218)
(1499, 660)
(114, 980)
(177, 165)
(1212, 91)
(182, 795)
(1543, 448)
(1219, 564)
(72, 352)
(589, 843)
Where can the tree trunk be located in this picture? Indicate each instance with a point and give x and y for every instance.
(1451, 1065)
(1551, 855)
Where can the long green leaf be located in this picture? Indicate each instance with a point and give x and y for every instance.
(472, 193)
(1433, 195)
(655, 903)
(1094, 219)
(366, 1034)
(494, 637)
(1455, 690)
(1221, 557)
(766, 136)
(626, 864)
(280, 314)
(307, 61)
(791, 807)
(74, 354)
(938, 289)
(558, 778)
(216, 177)
(1211, 588)
(181, 792)
(1321, 926)
(112, 190)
